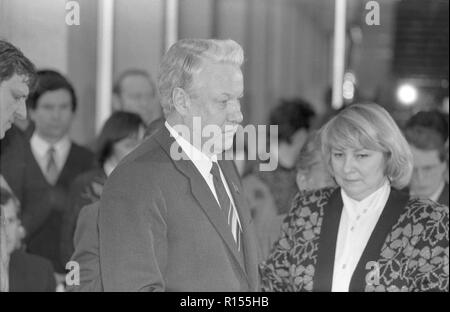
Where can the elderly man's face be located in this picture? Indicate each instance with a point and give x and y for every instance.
(138, 96)
(428, 172)
(359, 171)
(13, 93)
(215, 99)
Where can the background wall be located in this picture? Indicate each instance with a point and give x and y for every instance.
(287, 43)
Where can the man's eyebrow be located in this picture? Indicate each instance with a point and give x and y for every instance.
(231, 95)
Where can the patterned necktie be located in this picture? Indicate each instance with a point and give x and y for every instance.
(226, 207)
(52, 171)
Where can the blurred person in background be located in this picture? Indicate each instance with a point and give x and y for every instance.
(121, 133)
(293, 118)
(51, 162)
(312, 174)
(26, 273)
(427, 133)
(365, 235)
(135, 91)
(269, 193)
(312, 170)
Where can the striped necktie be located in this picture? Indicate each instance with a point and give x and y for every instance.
(52, 171)
(226, 207)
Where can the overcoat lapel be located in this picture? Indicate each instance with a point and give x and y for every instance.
(395, 206)
(202, 193)
(323, 276)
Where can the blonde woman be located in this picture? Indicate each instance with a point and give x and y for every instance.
(365, 235)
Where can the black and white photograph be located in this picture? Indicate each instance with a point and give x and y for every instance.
(224, 150)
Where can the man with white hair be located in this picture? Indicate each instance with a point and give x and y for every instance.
(172, 216)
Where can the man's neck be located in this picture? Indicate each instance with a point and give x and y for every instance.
(49, 140)
(188, 137)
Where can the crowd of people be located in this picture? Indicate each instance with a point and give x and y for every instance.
(351, 191)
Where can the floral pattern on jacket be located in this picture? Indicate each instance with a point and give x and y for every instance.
(413, 257)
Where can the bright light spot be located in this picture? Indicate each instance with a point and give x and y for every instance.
(348, 87)
(407, 94)
(348, 90)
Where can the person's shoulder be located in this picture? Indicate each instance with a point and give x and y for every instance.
(148, 151)
(145, 164)
(309, 204)
(312, 198)
(426, 209)
(82, 151)
(88, 176)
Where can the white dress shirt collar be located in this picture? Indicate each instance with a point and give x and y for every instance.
(108, 167)
(202, 161)
(355, 207)
(40, 149)
(358, 220)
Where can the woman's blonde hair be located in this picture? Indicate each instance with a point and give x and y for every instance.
(370, 126)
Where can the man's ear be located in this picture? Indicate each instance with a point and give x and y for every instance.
(181, 101)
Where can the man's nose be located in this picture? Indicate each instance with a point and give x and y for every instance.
(236, 114)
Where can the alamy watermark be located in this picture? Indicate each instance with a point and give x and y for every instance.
(373, 276)
(73, 13)
(373, 16)
(261, 143)
(73, 276)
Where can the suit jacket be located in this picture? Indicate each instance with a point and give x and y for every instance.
(12, 159)
(86, 242)
(86, 189)
(30, 273)
(161, 229)
(407, 250)
(43, 204)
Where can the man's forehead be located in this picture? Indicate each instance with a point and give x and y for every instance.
(18, 83)
(220, 75)
(425, 157)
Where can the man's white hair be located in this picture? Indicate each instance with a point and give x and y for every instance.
(186, 58)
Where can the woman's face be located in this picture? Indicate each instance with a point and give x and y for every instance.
(128, 144)
(359, 171)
